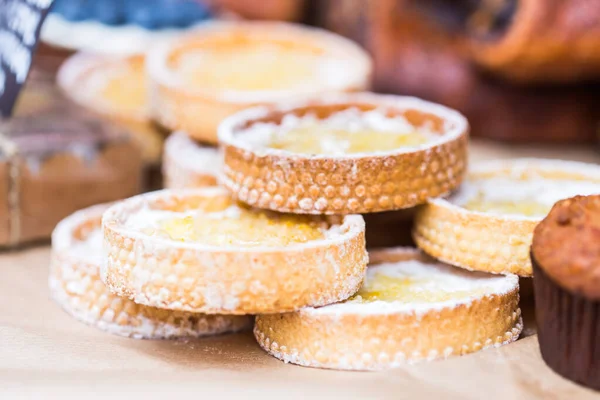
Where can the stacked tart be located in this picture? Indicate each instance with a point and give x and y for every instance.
(221, 68)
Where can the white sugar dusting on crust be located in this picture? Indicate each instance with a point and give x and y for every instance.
(351, 120)
(527, 180)
(432, 278)
(191, 155)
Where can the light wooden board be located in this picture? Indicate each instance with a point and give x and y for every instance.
(46, 354)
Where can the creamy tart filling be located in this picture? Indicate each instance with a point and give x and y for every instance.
(123, 85)
(254, 66)
(418, 282)
(225, 223)
(533, 197)
(349, 131)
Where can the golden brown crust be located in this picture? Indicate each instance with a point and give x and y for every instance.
(76, 286)
(288, 182)
(550, 40)
(565, 245)
(199, 112)
(370, 341)
(485, 242)
(228, 280)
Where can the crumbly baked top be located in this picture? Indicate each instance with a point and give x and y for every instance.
(565, 245)
(219, 221)
(420, 284)
(521, 195)
(348, 131)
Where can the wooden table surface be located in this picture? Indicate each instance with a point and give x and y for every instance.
(46, 354)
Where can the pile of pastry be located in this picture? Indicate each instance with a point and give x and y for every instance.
(303, 159)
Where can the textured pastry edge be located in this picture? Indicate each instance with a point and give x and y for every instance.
(519, 229)
(62, 238)
(373, 359)
(274, 158)
(350, 244)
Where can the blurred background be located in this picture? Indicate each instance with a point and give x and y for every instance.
(520, 70)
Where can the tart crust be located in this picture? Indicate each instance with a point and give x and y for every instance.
(195, 277)
(188, 164)
(480, 241)
(76, 286)
(80, 67)
(343, 337)
(199, 112)
(354, 183)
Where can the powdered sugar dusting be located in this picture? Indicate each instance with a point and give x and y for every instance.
(432, 278)
(351, 120)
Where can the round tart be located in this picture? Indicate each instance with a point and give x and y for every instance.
(113, 86)
(347, 153)
(409, 309)
(188, 164)
(223, 68)
(488, 224)
(197, 250)
(76, 286)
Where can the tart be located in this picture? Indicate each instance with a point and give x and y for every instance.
(222, 68)
(197, 250)
(345, 153)
(409, 309)
(76, 286)
(566, 264)
(488, 224)
(115, 87)
(188, 164)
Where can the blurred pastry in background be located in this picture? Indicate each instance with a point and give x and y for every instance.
(429, 49)
(198, 80)
(282, 10)
(114, 87)
(188, 164)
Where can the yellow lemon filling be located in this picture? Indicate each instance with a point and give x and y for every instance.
(239, 226)
(127, 87)
(324, 140)
(524, 208)
(250, 67)
(379, 286)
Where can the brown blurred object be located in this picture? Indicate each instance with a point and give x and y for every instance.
(417, 54)
(56, 163)
(541, 40)
(390, 228)
(282, 10)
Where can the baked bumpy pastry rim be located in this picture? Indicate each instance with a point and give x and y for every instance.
(196, 277)
(486, 242)
(199, 112)
(188, 164)
(341, 336)
(76, 286)
(285, 181)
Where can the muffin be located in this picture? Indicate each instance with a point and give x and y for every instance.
(566, 267)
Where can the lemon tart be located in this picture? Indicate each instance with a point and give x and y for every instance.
(188, 164)
(488, 224)
(115, 87)
(344, 153)
(409, 309)
(197, 250)
(198, 80)
(76, 286)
